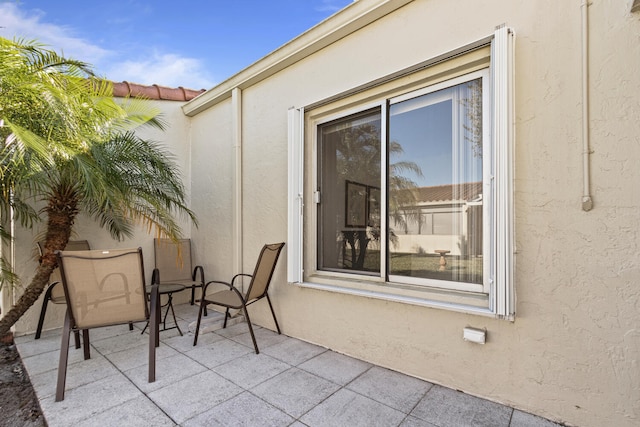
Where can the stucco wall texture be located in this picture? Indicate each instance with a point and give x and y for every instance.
(573, 352)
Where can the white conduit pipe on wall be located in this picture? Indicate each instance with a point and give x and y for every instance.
(587, 202)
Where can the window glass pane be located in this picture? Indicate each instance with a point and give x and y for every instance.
(435, 185)
(349, 209)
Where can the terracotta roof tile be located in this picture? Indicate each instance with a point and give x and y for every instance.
(155, 92)
(466, 191)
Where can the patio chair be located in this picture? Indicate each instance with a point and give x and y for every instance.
(104, 288)
(174, 265)
(258, 289)
(55, 291)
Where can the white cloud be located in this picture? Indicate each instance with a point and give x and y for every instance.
(15, 23)
(163, 69)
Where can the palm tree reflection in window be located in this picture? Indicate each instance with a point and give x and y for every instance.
(350, 184)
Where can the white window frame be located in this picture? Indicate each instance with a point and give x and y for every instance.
(295, 232)
(486, 178)
(501, 296)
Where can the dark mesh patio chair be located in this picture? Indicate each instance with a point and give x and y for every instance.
(175, 265)
(104, 288)
(55, 291)
(258, 288)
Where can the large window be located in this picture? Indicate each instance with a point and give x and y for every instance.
(433, 173)
(409, 189)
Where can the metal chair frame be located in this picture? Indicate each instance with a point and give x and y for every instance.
(71, 323)
(258, 289)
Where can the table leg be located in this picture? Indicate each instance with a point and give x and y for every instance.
(173, 313)
(169, 306)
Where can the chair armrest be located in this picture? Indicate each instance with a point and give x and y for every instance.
(240, 275)
(204, 288)
(196, 270)
(231, 287)
(50, 288)
(54, 284)
(155, 276)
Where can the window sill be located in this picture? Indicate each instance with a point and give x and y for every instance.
(464, 302)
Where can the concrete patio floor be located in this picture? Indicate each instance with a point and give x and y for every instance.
(222, 382)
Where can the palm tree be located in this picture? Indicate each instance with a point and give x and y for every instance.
(65, 141)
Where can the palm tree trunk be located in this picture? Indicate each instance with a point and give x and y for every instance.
(61, 212)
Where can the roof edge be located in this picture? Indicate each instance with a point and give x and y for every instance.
(347, 21)
(154, 92)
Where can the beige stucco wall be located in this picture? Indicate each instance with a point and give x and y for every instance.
(572, 353)
(212, 186)
(175, 140)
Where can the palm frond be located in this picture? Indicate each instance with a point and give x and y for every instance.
(130, 180)
(7, 275)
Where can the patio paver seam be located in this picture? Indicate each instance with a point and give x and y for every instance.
(365, 385)
(110, 408)
(121, 372)
(209, 409)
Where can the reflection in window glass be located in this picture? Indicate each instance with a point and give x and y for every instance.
(435, 185)
(349, 209)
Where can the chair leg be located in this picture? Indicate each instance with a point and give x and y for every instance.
(226, 316)
(193, 296)
(253, 337)
(76, 336)
(158, 312)
(154, 326)
(64, 358)
(85, 344)
(273, 313)
(43, 310)
(203, 305)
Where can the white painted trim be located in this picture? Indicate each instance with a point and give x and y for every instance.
(236, 129)
(347, 21)
(295, 198)
(503, 297)
(398, 298)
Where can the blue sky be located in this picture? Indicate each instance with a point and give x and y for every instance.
(193, 43)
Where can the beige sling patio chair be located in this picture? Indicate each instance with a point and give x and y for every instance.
(233, 297)
(173, 264)
(55, 291)
(104, 288)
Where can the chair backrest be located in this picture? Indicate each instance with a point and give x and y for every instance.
(72, 245)
(104, 287)
(264, 270)
(173, 260)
